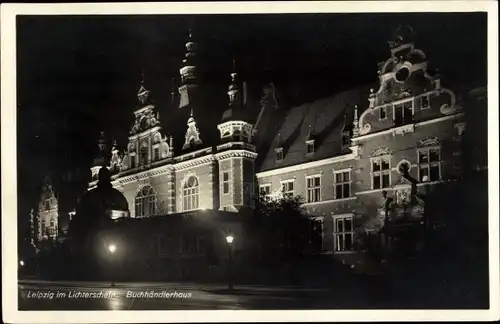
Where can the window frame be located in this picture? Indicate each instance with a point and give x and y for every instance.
(382, 108)
(225, 182)
(380, 172)
(156, 149)
(314, 189)
(337, 234)
(310, 144)
(335, 183)
(422, 107)
(133, 162)
(279, 154)
(191, 195)
(402, 103)
(145, 203)
(427, 165)
(284, 184)
(265, 185)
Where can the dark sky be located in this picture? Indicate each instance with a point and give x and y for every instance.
(79, 74)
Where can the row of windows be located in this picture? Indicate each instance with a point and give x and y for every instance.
(144, 157)
(403, 111)
(343, 233)
(429, 169)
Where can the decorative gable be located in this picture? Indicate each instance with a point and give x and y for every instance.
(408, 91)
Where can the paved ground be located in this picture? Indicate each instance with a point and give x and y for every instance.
(44, 295)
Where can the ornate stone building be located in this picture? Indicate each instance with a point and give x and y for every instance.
(362, 159)
(44, 221)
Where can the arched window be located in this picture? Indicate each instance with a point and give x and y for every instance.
(190, 193)
(145, 202)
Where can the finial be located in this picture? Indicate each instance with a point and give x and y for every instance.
(191, 114)
(142, 76)
(190, 34)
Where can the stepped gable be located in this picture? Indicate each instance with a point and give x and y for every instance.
(325, 118)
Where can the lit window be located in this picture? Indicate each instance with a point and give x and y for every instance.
(425, 102)
(403, 113)
(381, 172)
(287, 187)
(429, 164)
(191, 194)
(313, 189)
(342, 184)
(310, 147)
(343, 233)
(145, 202)
(225, 182)
(265, 189)
(382, 112)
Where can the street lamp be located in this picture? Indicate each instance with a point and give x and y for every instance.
(229, 240)
(21, 263)
(112, 250)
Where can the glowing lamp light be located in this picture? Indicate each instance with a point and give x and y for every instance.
(229, 239)
(112, 248)
(21, 263)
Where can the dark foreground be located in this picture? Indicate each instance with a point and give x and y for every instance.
(360, 294)
(185, 296)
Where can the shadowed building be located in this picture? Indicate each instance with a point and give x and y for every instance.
(363, 160)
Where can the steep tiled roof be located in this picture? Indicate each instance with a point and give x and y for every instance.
(326, 117)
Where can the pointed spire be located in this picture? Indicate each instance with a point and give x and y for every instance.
(143, 93)
(188, 71)
(310, 136)
(355, 122)
(192, 133)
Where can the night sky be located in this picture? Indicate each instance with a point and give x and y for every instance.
(80, 74)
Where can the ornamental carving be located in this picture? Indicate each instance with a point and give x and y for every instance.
(365, 129)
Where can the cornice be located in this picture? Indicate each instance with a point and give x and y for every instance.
(307, 165)
(236, 153)
(396, 130)
(144, 174)
(202, 160)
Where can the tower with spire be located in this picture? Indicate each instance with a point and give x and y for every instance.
(189, 88)
(101, 158)
(236, 155)
(145, 142)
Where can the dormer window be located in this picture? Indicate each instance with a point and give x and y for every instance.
(310, 147)
(279, 154)
(47, 204)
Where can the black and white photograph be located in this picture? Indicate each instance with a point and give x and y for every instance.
(216, 157)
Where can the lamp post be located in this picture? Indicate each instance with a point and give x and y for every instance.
(229, 240)
(112, 249)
